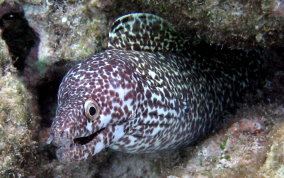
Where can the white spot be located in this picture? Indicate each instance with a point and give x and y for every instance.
(118, 132)
(50, 139)
(156, 131)
(64, 19)
(89, 126)
(99, 146)
(67, 129)
(152, 74)
(120, 91)
(104, 121)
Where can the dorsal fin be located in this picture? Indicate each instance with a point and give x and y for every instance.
(146, 32)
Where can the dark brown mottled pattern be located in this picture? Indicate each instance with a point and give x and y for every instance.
(169, 108)
(149, 101)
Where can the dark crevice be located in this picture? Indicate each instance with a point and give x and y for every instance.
(47, 90)
(47, 101)
(21, 39)
(23, 42)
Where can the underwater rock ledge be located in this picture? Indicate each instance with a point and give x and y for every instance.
(233, 23)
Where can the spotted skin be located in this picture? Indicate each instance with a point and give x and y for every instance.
(148, 32)
(149, 101)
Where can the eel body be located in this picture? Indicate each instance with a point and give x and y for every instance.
(147, 92)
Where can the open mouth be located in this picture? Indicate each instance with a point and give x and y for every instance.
(85, 140)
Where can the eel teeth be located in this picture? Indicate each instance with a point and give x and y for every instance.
(50, 139)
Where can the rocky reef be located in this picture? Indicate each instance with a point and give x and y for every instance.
(18, 123)
(234, 23)
(59, 33)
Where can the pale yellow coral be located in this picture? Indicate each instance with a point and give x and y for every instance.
(274, 163)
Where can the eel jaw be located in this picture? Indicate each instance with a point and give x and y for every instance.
(87, 139)
(82, 148)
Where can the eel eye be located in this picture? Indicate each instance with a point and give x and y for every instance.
(92, 109)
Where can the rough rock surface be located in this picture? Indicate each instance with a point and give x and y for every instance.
(248, 139)
(248, 143)
(235, 23)
(18, 124)
(274, 163)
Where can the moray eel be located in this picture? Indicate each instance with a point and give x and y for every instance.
(149, 91)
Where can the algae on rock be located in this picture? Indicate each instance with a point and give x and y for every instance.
(274, 163)
(18, 125)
